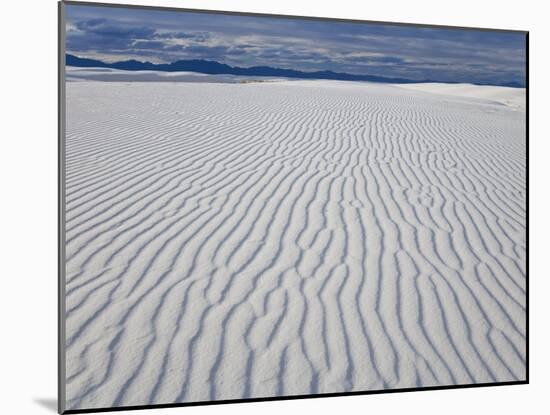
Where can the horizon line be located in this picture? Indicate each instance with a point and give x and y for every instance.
(381, 79)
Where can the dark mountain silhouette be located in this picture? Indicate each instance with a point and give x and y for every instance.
(217, 68)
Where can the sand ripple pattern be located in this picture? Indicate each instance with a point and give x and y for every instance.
(228, 241)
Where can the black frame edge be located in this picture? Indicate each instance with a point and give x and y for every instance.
(61, 384)
(527, 207)
(293, 397)
(283, 16)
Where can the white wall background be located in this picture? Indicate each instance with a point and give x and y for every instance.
(28, 204)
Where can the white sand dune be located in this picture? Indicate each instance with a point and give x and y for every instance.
(75, 74)
(228, 241)
(513, 97)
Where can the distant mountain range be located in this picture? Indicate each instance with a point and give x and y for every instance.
(217, 68)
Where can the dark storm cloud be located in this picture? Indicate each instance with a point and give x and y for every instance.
(199, 37)
(148, 44)
(104, 27)
(447, 55)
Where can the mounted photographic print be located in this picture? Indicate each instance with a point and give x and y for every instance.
(258, 207)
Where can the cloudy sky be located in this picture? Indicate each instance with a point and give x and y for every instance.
(445, 55)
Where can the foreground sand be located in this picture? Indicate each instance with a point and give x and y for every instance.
(228, 241)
